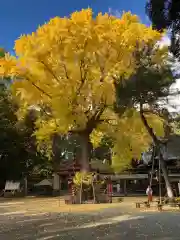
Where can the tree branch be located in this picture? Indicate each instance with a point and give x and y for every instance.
(83, 78)
(49, 70)
(107, 120)
(65, 70)
(38, 88)
(95, 119)
(101, 68)
(99, 112)
(148, 128)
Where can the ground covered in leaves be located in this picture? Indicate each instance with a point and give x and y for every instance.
(28, 220)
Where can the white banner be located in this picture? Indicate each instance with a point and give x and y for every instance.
(10, 185)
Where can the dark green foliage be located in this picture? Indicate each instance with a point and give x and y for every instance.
(65, 147)
(69, 148)
(165, 14)
(104, 151)
(18, 153)
(149, 83)
(2, 52)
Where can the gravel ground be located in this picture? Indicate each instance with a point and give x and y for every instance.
(26, 221)
(106, 224)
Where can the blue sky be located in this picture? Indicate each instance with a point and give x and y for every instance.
(19, 16)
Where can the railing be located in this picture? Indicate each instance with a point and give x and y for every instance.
(174, 170)
(138, 171)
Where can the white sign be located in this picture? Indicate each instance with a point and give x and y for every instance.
(10, 185)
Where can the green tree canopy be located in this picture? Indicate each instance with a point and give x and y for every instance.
(18, 152)
(165, 14)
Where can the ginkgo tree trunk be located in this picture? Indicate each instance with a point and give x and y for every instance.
(70, 65)
(85, 151)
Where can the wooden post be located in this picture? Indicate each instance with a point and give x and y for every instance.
(120, 185)
(94, 194)
(59, 191)
(81, 191)
(25, 186)
(125, 188)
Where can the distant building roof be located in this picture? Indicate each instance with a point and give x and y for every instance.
(173, 146)
(171, 151)
(45, 182)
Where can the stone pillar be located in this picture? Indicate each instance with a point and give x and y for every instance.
(56, 184)
(125, 188)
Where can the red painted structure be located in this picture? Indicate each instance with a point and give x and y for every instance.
(109, 189)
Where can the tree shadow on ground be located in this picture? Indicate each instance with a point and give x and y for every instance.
(161, 226)
(143, 226)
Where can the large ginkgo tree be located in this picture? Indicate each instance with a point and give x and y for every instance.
(68, 68)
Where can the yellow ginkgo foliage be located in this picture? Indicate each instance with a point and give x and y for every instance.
(83, 178)
(132, 138)
(68, 67)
